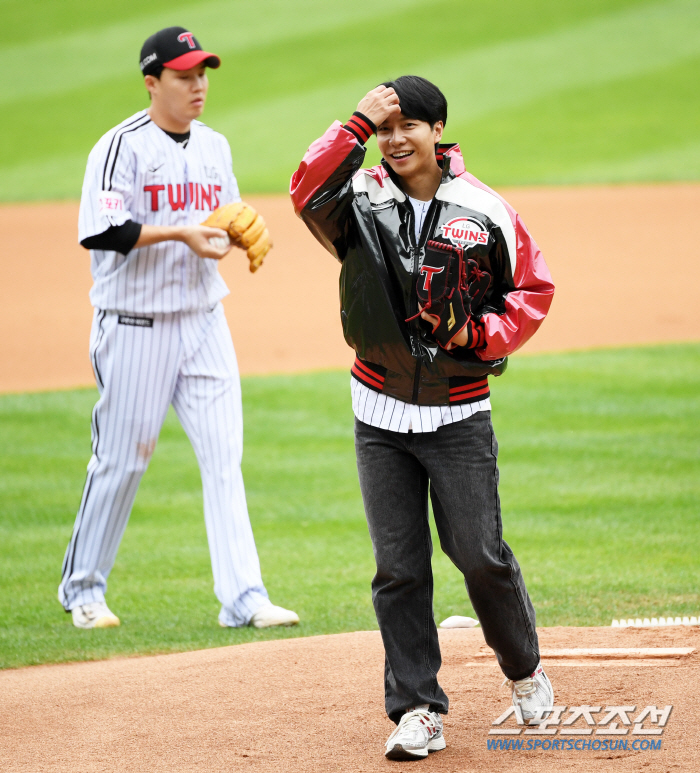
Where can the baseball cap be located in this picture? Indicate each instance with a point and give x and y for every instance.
(175, 48)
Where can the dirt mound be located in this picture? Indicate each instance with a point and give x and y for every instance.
(316, 704)
(624, 260)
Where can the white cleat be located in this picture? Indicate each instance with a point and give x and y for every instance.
(270, 615)
(533, 695)
(94, 615)
(418, 733)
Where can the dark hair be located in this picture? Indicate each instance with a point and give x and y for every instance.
(420, 99)
(156, 72)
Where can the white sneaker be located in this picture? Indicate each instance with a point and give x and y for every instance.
(533, 695)
(270, 615)
(418, 732)
(94, 615)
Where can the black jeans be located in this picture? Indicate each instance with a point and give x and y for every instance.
(458, 463)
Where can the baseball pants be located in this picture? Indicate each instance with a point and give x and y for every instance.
(458, 465)
(143, 363)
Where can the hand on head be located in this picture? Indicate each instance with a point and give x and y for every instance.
(379, 104)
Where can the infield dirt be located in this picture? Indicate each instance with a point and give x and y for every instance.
(624, 260)
(316, 704)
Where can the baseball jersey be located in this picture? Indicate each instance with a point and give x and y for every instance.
(137, 172)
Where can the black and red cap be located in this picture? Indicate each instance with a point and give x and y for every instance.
(175, 48)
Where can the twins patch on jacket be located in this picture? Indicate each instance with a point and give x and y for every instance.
(446, 267)
(465, 232)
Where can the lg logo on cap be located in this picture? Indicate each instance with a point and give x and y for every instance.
(186, 36)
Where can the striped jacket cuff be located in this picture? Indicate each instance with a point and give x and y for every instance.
(475, 333)
(476, 336)
(360, 126)
(369, 374)
(468, 390)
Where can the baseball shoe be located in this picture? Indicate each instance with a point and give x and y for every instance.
(533, 695)
(94, 615)
(418, 732)
(270, 615)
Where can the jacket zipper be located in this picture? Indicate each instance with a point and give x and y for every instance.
(414, 345)
(415, 259)
(416, 381)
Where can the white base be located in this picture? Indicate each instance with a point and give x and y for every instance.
(457, 621)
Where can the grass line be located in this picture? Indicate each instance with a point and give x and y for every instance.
(600, 479)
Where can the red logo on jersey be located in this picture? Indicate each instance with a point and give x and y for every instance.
(154, 190)
(465, 232)
(203, 196)
(186, 36)
(181, 195)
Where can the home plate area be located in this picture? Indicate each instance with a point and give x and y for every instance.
(316, 704)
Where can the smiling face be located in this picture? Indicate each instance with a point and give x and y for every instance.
(179, 95)
(408, 145)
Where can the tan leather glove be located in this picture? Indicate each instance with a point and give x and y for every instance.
(246, 229)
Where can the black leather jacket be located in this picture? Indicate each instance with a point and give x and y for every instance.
(364, 219)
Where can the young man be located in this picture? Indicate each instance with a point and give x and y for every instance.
(420, 394)
(159, 334)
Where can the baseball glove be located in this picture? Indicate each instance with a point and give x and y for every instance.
(245, 228)
(450, 288)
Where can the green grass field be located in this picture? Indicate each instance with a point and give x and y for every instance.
(600, 451)
(600, 463)
(540, 91)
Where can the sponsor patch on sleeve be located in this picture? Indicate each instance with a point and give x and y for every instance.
(111, 203)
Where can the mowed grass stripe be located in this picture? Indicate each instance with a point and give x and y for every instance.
(607, 139)
(673, 163)
(289, 71)
(600, 463)
(57, 65)
(500, 78)
(33, 20)
(480, 83)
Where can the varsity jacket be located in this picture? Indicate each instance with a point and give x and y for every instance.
(364, 219)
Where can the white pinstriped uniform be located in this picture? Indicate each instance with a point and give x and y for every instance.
(387, 412)
(136, 171)
(160, 337)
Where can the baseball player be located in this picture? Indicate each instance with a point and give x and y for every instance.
(440, 281)
(159, 335)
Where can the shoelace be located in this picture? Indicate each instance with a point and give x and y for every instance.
(523, 687)
(413, 720)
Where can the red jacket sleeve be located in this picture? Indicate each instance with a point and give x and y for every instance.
(321, 188)
(320, 161)
(526, 305)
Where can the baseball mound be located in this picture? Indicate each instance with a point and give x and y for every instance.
(623, 258)
(316, 704)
